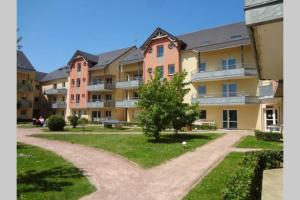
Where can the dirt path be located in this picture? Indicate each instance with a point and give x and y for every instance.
(119, 179)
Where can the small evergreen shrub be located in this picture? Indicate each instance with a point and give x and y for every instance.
(73, 119)
(56, 123)
(205, 127)
(246, 184)
(83, 121)
(268, 136)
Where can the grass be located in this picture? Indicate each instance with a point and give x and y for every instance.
(27, 125)
(253, 142)
(44, 175)
(97, 128)
(142, 150)
(211, 186)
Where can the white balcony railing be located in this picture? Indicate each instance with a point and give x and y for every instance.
(127, 103)
(100, 86)
(59, 104)
(233, 98)
(55, 91)
(129, 83)
(218, 72)
(100, 104)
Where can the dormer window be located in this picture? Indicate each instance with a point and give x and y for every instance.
(160, 51)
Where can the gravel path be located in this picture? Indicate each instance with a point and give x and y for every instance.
(119, 179)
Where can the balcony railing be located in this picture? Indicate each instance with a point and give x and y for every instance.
(59, 104)
(24, 103)
(127, 103)
(55, 91)
(129, 84)
(100, 86)
(238, 70)
(234, 98)
(100, 104)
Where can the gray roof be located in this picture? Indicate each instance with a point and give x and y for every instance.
(133, 57)
(23, 63)
(215, 38)
(59, 73)
(39, 76)
(106, 58)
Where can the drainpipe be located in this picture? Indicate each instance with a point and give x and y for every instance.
(242, 56)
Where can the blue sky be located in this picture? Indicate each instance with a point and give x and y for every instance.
(52, 30)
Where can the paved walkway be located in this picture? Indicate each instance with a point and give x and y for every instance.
(272, 187)
(119, 179)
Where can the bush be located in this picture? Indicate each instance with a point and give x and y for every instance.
(246, 184)
(22, 120)
(73, 119)
(83, 121)
(205, 127)
(268, 136)
(107, 125)
(56, 123)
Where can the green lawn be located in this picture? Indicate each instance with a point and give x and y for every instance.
(43, 175)
(97, 128)
(252, 142)
(211, 186)
(140, 149)
(27, 125)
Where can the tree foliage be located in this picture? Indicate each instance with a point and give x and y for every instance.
(162, 104)
(73, 119)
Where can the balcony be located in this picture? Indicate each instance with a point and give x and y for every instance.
(100, 86)
(240, 98)
(24, 103)
(127, 103)
(55, 91)
(59, 104)
(129, 84)
(240, 71)
(100, 104)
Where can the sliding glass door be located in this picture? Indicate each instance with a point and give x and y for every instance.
(229, 119)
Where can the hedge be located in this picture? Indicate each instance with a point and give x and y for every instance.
(268, 136)
(246, 183)
(205, 127)
(22, 120)
(56, 123)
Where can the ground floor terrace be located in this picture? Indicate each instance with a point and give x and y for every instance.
(245, 117)
(99, 114)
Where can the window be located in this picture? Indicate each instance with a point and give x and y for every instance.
(202, 90)
(77, 98)
(64, 84)
(135, 95)
(108, 97)
(73, 82)
(161, 70)
(202, 67)
(37, 87)
(108, 113)
(171, 69)
(78, 82)
(63, 99)
(54, 86)
(78, 67)
(54, 99)
(36, 99)
(72, 97)
(202, 114)
(96, 115)
(229, 90)
(96, 97)
(83, 95)
(109, 80)
(23, 112)
(229, 63)
(23, 81)
(160, 51)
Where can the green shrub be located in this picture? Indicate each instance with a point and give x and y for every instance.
(107, 125)
(56, 123)
(83, 121)
(22, 120)
(246, 184)
(205, 127)
(73, 119)
(268, 136)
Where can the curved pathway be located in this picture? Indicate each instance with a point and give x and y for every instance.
(119, 179)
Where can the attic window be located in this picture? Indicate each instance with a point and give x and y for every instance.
(150, 50)
(236, 37)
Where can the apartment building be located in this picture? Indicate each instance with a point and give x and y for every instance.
(54, 89)
(29, 99)
(92, 84)
(222, 68)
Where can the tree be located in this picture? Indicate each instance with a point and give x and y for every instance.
(153, 100)
(73, 119)
(180, 114)
(19, 39)
(83, 122)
